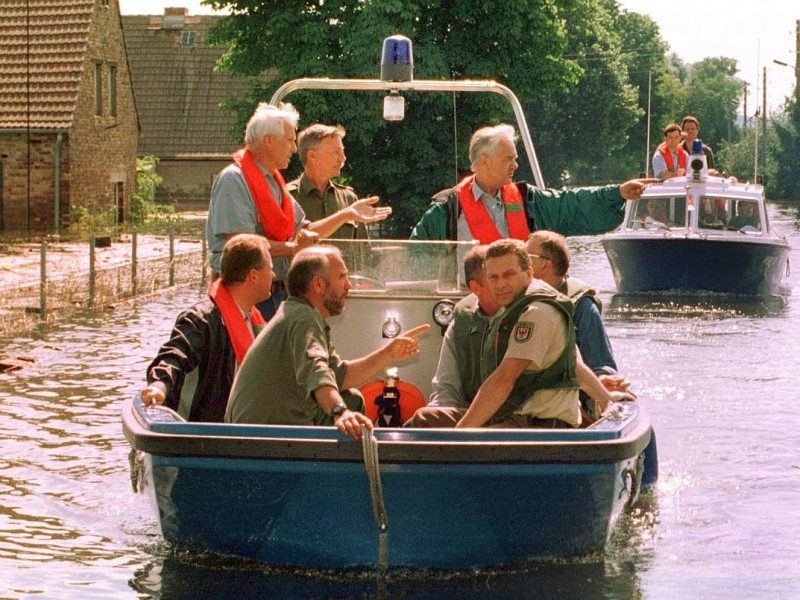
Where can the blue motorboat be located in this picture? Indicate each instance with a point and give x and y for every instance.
(309, 496)
(702, 236)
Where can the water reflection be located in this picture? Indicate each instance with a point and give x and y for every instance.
(183, 575)
(705, 306)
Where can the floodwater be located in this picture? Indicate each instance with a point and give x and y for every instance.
(717, 376)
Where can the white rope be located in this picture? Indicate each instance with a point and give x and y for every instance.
(370, 447)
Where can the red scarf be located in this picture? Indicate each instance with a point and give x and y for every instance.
(232, 317)
(277, 220)
(480, 223)
(665, 152)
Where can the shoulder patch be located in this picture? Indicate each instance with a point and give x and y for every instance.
(523, 331)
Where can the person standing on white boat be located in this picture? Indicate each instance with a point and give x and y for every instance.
(690, 129)
(669, 159)
(250, 196)
(196, 366)
(292, 374)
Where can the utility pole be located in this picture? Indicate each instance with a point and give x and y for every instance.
(745, 104)
(764, 132)
(797, 56)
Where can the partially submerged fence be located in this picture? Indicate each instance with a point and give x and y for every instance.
(40, 279)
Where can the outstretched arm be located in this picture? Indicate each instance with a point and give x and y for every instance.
(363, 211)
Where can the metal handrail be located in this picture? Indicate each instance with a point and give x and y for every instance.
(421, 85)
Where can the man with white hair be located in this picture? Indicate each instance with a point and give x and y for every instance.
(250, 196)
(486, 206)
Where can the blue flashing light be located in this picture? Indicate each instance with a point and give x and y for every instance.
(397, 61)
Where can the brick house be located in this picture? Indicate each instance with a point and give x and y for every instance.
(178, 94)
(68, 124)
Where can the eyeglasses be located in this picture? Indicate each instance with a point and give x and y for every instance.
(540, 256)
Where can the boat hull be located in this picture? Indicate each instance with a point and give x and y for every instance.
(660, 262)
(300, 496)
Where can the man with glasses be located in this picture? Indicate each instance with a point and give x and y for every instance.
(550, 262)
(530, 370)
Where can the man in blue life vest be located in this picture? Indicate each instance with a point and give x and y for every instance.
(486, 206)
(690, 129)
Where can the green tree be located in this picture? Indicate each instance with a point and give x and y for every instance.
(518, 43)
(583, 125)
(787, 156)
(652, 72)
(143, 209)
(713, 93)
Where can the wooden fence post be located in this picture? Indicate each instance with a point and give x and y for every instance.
(204, 259)
(134, 237)
(171, 255)
(43, 281)
(92, 272)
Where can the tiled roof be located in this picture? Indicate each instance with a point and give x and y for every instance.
(42, 47)
(176, 88)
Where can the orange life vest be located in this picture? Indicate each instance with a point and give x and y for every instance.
(232, 317)
(668, 157)
(276, 219)
(480, 223)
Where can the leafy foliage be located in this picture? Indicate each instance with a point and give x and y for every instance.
(403, 163)
(712, 95)
(143, 209)
(787, 158)
(583, 125)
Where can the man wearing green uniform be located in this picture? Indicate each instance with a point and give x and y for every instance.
(321, 151)
(292, 374)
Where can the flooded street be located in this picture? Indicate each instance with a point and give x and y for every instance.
(718, 378)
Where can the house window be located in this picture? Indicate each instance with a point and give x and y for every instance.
(98, 89)
(188, 38)
(112, 90)
(119, 203)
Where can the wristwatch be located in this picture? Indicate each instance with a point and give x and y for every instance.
(337, 411)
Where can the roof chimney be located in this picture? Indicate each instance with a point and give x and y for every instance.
(174, 17)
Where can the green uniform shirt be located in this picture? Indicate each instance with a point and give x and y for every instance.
(318, 205)
(291, 357)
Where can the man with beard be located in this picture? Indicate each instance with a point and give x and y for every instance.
(292, 374)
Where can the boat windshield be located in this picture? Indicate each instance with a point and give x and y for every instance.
(713, 213)
(657, 212)
(404, 267)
